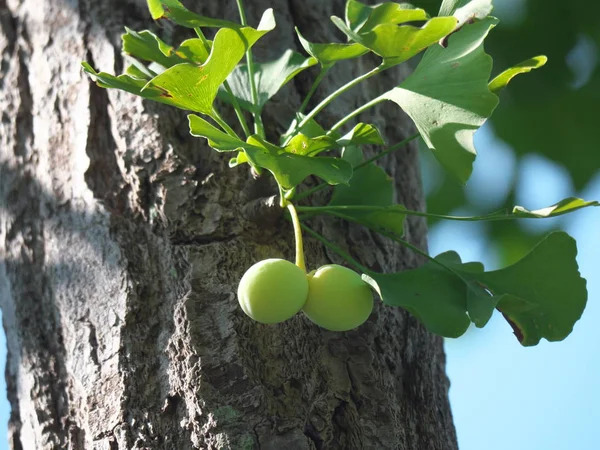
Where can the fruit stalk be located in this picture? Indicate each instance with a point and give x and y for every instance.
(298, 236)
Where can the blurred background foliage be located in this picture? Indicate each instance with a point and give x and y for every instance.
(546, 128)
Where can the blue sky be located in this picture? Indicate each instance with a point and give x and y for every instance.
(505, 396)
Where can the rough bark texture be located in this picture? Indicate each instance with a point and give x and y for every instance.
(122, 241)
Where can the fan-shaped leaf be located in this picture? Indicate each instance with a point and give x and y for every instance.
(179, 14)
(398, 43)
(329, 54)
(448, 98)
(502, 80)
(269, 78)
(193, 87)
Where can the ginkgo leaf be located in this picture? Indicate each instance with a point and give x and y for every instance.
(502, 80)
(290, 170)
(329, 54)
(362, 134)
(447, 96)
(398, 43)
(174, 11)
(432, 294)
(193, 87)
(565, 206)
(269, 78)
(363, 18)
(304, 145)
(541, 296)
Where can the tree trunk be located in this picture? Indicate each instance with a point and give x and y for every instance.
(123, 240)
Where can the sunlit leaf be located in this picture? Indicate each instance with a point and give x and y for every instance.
(217, 139)
(329, 54)
(179, 14)
(362, 134)
(193, 87)
(447, 96)
(398, 43)
(269, 78)
(563, 207)
(290, 170)
(361, 17)
(311, 129)
(146, 46)
(125, 83)
(466, 10)
(502, 80)
(304, 145)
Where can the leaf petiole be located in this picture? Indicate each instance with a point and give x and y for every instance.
(391, 149)
(258, 123)
(356, 112)
(217, 117)
(322, 74)
(336, 249)
(317, 109)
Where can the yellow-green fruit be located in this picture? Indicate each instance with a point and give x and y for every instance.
(338, 299)
(273, 290)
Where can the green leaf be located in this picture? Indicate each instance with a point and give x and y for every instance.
(563, 207)
(545, 293)
(311, 129)
(465, 10)
(304, 145)
(353, 155)
(269, 78)
(361, 17)
(329, 54)
(447, 96)
(502, 80)
(541, 296)
(146, 46)
(362, 134)
(217, 139)
(435, 296)
(179, 14)
(290, 170)
(369, 200)
(125, 83)
(369, 186)
(398, 43)
(193, 87)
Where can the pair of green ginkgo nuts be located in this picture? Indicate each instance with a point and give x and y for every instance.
(334, 297)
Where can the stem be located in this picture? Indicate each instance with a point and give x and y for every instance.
(500, 215)
(298, 235)
(258, 123)
(337, 93)
(215, 115)
(236, 105)
(313, 88)
(357, 112)
(422, 253)
(391, 149)
(336, 249)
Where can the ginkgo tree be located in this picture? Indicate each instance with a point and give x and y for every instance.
(449, 96)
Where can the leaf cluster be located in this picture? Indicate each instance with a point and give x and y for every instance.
(449, 96)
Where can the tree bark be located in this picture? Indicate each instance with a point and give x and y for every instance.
(124, 238)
